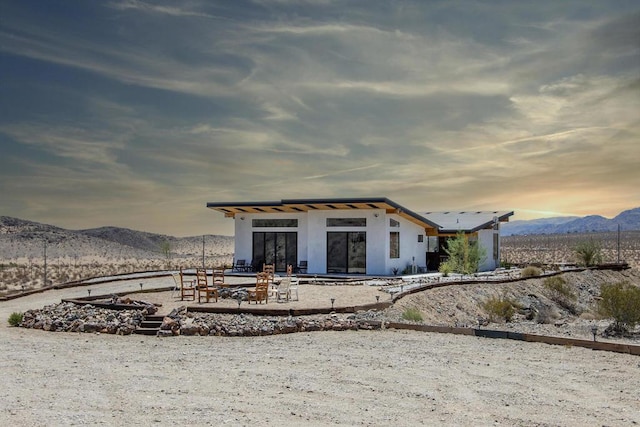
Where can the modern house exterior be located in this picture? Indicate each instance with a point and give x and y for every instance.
(372, 236)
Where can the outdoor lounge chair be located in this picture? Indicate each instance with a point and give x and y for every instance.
(241, 266)
(261, 291)
(187, 288)
(283, 293)
(203, 287)
(302, 267)
(293, 283)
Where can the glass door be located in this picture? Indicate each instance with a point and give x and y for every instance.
(279, 248)
(347, 252)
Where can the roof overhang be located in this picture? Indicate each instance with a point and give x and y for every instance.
(231, 209)
(467, 222)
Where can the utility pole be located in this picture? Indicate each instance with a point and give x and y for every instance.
(45, 263)
(203, 251)
(618, 243)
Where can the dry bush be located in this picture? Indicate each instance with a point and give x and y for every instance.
(561, 293)
(530, 271)
(499, 308)
(620, 301)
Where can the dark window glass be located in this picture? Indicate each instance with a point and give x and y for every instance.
(394, 244)
(347, 252)
(346, 222)
(267, 222)
(393, 223)
(279, 248)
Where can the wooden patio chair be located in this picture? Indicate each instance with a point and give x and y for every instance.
(270, 270)
(203, 288)
(187, 288)
(261, 291)
(217, 278)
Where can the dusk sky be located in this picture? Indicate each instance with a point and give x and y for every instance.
(137, 113)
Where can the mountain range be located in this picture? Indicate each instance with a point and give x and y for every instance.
(628, 220)
(25, 239)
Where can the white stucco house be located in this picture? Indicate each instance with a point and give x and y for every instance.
(372, 236)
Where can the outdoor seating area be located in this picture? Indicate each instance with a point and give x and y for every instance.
(209, 287)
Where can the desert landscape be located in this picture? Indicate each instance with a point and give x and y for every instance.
(378, 377)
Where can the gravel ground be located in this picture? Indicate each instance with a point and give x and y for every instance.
(344, 378)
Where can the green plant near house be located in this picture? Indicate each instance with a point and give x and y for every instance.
(588, 253)
(621, 302)
(412, 314)
(530, 271)
(15, 319)
(465, 255)
(499, 308)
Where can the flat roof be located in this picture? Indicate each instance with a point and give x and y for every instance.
(467, 221)
(231, 209)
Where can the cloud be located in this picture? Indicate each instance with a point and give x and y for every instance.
(435, 105)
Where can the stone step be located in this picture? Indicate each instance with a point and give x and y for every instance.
(146, 331)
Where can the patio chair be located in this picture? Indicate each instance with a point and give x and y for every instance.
(187, 288)
(202, 284)
(270, 270)
(241, 266)
(261, 291)
(302, 267)
(293, 282)
(282, 291)
(217, 277)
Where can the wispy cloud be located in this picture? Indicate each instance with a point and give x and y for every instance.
(436, 105)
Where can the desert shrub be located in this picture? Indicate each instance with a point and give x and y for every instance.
(445, 268)
(561, 293)
(15, 319)
(588, 253)
(465, 255)
(530, 271)
(620, 301)
(412, 314)
(499, 308)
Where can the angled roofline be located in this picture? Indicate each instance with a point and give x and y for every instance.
(502, 218)
(399, 209)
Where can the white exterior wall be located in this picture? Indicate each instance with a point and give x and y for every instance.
(412, 252)
(244, 233)
(485, 239)
(312, 238)
(376, 237)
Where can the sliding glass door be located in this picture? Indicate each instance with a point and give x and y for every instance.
(279, 248)
(347, 252)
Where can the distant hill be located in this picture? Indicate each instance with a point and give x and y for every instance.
(25, 239)
(628, 220)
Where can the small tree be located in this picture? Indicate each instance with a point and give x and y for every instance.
(465, 256)
(620, 301)
(588, 253)
(165, 249)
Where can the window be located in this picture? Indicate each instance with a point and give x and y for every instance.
(347, 252)
(420, 238)
(346, 222)
(496, 247)
(275, 222)
(393, 223)
(394, 244)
